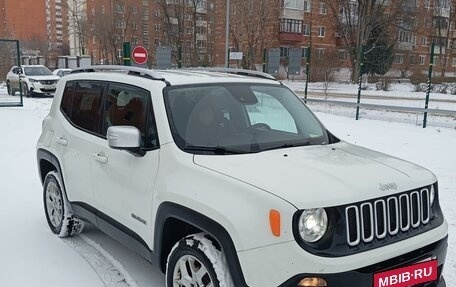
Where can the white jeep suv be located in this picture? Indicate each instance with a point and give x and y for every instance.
(32, 80)
(225, 178)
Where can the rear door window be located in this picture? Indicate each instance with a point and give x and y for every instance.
(81, 104)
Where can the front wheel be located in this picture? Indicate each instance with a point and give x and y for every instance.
(25, 90)
(195, 261)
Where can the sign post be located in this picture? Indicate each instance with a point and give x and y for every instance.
(126, 54)
(139, 55)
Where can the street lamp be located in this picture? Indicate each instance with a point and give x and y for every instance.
(227, 37)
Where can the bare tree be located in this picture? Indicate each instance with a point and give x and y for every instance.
(443, 19)
(112, 29)
(326, 68)
(252, 25)
(78, 24)
(355, 20)
(186, 28)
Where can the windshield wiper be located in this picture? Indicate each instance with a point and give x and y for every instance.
(287, 145)
(214, 149)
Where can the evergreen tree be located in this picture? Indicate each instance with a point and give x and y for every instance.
(379, 49)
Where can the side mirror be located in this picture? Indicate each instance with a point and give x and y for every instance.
(126, 138)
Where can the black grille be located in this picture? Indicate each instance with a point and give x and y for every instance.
(47, 82)
(389, 216)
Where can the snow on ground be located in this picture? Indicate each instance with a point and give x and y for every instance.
(32, 256)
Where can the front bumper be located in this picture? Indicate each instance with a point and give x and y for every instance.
(363, 277)
(43, 89)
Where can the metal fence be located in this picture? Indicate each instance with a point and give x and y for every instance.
(391, 108)
(9, 57)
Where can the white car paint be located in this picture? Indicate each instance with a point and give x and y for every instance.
(236, 191)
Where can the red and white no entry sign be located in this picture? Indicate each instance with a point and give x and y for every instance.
(139, 55)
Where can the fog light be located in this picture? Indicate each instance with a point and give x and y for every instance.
(312, 282)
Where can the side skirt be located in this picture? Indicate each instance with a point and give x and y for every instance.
(113, 229)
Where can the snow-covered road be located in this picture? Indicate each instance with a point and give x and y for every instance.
(32, 256)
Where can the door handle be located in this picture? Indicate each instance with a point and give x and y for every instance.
(100, 158)
(61, 141)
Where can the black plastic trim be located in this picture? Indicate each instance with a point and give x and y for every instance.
(171, 210)
(46, 155)
(113, 228)
(363, 277)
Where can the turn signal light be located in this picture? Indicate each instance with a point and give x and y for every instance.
(312, 282)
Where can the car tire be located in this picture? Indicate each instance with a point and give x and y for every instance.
(58, 211)
(25, 90)
(8, 88)
(195, 261)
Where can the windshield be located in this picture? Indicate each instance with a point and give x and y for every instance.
(37, 71)
(240, 118)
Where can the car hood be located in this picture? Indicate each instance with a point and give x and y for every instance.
(44, 78)
(321, 176)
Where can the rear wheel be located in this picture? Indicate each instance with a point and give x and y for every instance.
(58, 211)
(8, 88)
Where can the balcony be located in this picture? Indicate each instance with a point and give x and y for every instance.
(291, 37)
(405, 46)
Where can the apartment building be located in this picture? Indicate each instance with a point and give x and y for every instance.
(39, 25)
(317, 24)
(179, 24)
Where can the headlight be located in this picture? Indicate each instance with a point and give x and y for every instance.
(313, 224)
(432, 195)
(33, 80)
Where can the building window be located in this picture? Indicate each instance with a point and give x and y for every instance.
(323, 8)
(398, 59)
(291, 26)
(343, 55)
(424, 41)
(94, 39)
(306, 30)
(294, 4)
(120, 24)
(321, 31)
(305, 52)
(454, 62)
(120, 8)
(307, 5)
(407, 37)
(284, 52)
(417, 3)
(422, 60)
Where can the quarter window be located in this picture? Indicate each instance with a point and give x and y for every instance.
(82, 106)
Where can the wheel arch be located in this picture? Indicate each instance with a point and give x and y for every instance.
(47, 162)
(174, 222)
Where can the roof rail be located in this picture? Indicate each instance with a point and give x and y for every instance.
(243, 72)
(134, 71)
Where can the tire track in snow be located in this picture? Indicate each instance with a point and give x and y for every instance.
(110, 271)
